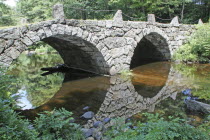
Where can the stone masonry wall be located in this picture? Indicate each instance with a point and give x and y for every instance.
(102, 46)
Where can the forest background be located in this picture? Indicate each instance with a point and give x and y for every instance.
(188, 11)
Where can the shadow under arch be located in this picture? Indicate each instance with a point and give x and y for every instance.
(152, 47)
(78, 53)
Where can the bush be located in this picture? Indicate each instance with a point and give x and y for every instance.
(48, 126)
(198, 47)
(5, 82)
(56, 125)
(12, 126)
(157, 129)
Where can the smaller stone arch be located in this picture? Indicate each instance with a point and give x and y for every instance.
(152, 45)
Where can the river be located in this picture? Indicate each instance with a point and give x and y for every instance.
(153, 87)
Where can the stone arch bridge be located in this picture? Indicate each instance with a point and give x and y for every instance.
(102, 46)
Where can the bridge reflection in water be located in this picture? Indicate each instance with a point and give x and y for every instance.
(115, 96)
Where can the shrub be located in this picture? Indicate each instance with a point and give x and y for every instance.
(5, 81)
(12, 126)
(56, 125)
(157, 129)
(198, 46)
(48, 126)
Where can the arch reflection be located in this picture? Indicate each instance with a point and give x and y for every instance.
(116, 96)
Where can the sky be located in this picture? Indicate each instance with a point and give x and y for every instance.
(11, 3)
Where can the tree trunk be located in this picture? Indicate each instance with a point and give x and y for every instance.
(182, 13)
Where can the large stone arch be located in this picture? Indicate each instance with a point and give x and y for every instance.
(78, 47)
(151, 43)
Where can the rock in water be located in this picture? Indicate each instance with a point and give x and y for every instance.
(106, 120)
(87, 132)
(187, 92)
(86, 108)
(96, 124)
(88, 115)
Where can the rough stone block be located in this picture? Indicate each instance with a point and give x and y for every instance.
(41, 34)
(117, 33)
(26, 41)
(118, 16)
(109, 23)
(33, 36)
(58, 12)
(175, 21)
(101, 23)
(85, 34)
(61, 29)
(151, 18)
(47, 31)
(54, 29)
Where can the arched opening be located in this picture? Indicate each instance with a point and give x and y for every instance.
(152, 47)
(78, 53)
(75, 51)
(150, 74)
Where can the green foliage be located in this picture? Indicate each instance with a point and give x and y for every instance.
(126, 74)
(196, 9)
(48, 126)
(205, 126)
(36, 10)
(157, 128)
(184, 53)
(56, 125)
(198, 47)
(5, 15)
(12, 126)
(7, 83)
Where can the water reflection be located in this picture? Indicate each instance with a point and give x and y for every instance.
(115, 96)
(122, 100)
(23, 101)
(107, 97)
(75, 95)
(37, 89)
(149, 79)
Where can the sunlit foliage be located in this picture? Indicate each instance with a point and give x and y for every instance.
(197, 49)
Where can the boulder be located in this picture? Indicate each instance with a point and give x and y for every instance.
(88, 115)
(198, 106)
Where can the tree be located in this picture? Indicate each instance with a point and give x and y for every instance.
(5, 15)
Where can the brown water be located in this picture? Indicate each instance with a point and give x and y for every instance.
(153, 87)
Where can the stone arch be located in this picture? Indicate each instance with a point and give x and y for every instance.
(78, 47)
(152, 44)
